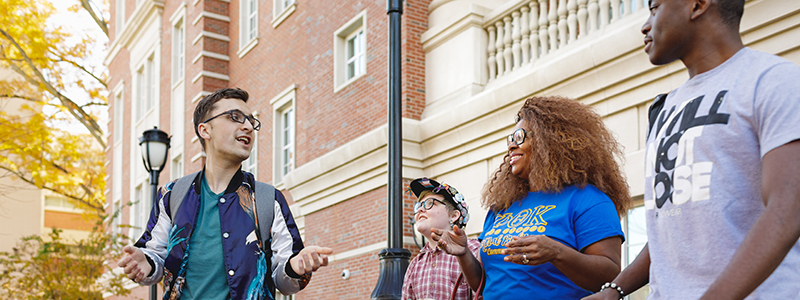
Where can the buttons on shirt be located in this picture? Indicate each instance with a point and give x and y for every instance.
(221, 200)
(231, 272)
(225, 235)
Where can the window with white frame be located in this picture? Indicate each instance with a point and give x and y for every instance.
(119, 102)
(178, 51)
(139, 209)
(176, 169)
(251, 163)
(636, 238)
(350, 45)
(248, 26)
(284, 117)
(287, 141)
(281, 10)
(119, 15)
(58, 203)
(116, 214)
(356, 63)
(146, 88)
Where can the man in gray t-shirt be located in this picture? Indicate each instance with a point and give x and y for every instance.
(722, 164)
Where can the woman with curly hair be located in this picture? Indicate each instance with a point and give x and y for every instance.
(552, 230)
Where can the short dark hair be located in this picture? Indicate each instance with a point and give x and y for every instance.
(206, 105)
(731, 11)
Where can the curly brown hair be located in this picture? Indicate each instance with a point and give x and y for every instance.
(573, 147)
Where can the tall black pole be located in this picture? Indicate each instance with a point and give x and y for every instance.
(394, 260)
(154, 198)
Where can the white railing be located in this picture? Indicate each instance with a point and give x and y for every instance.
(536, 28)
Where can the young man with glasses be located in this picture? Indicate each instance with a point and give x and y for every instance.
(211, 249)
(431, 274)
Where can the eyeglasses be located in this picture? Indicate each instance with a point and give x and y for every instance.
(427, 204)
(517, 137)
(239, 117)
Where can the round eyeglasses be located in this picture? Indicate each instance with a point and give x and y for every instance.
(517, 137)
(427, 204)
(239, 117)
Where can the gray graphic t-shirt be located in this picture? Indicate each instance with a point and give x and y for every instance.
(703, 172)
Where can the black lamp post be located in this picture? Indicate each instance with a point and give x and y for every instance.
(394, 260)
(155, 145)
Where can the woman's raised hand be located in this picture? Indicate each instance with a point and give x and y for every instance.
(452, 242)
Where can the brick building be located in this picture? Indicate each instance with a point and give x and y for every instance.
(316, 72)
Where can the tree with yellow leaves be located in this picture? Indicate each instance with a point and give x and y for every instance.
(52, 74)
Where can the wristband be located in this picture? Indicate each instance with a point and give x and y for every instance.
(613, 286)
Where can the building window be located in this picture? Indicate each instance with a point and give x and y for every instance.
(119, 15)
(636, 238)
(178, 51)
(139, 209)
(248, 26)
(119, 102)
(356, 64)
(146, 91)
(177, 167)
(287, 141)
(350, 46)
(284, 115)
(281, 10)
(116, 213)
(251, 163)
(57, 203)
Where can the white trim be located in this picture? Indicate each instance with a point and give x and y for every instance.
(195, 138)
(198, 156)
(407, 240)
(277, 20)
(195, 2)
(274, 101)
(200, 95)
(210, 74)
(212, 35)
(284, 101)
(357, 23)
(250, 45)
(211, 55)
(133, 25)
(179, 13)
(211, 15)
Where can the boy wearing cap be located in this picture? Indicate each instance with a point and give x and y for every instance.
(433, 273)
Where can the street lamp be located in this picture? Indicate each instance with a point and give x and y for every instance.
(155, 145)
(394, 259)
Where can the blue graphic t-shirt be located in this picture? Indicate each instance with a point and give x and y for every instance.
(575, 217)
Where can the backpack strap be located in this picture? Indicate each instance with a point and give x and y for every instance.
(654, 110)
(180, 188)
(265, 213)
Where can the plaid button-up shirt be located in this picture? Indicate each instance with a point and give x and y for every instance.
(433, 273)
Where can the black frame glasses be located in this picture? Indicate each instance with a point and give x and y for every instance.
(427, 204)
(517, 137)
(239, 117)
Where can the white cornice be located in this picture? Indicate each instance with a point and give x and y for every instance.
(211, 75)
(211, 55)
(210, 35)
(211, 15)
(134, 25)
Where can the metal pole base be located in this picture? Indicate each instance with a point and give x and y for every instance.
(394, 262)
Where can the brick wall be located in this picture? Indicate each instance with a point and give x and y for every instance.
(414, 23)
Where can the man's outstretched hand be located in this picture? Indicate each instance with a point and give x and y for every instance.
(309, 259)
(134, 264)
